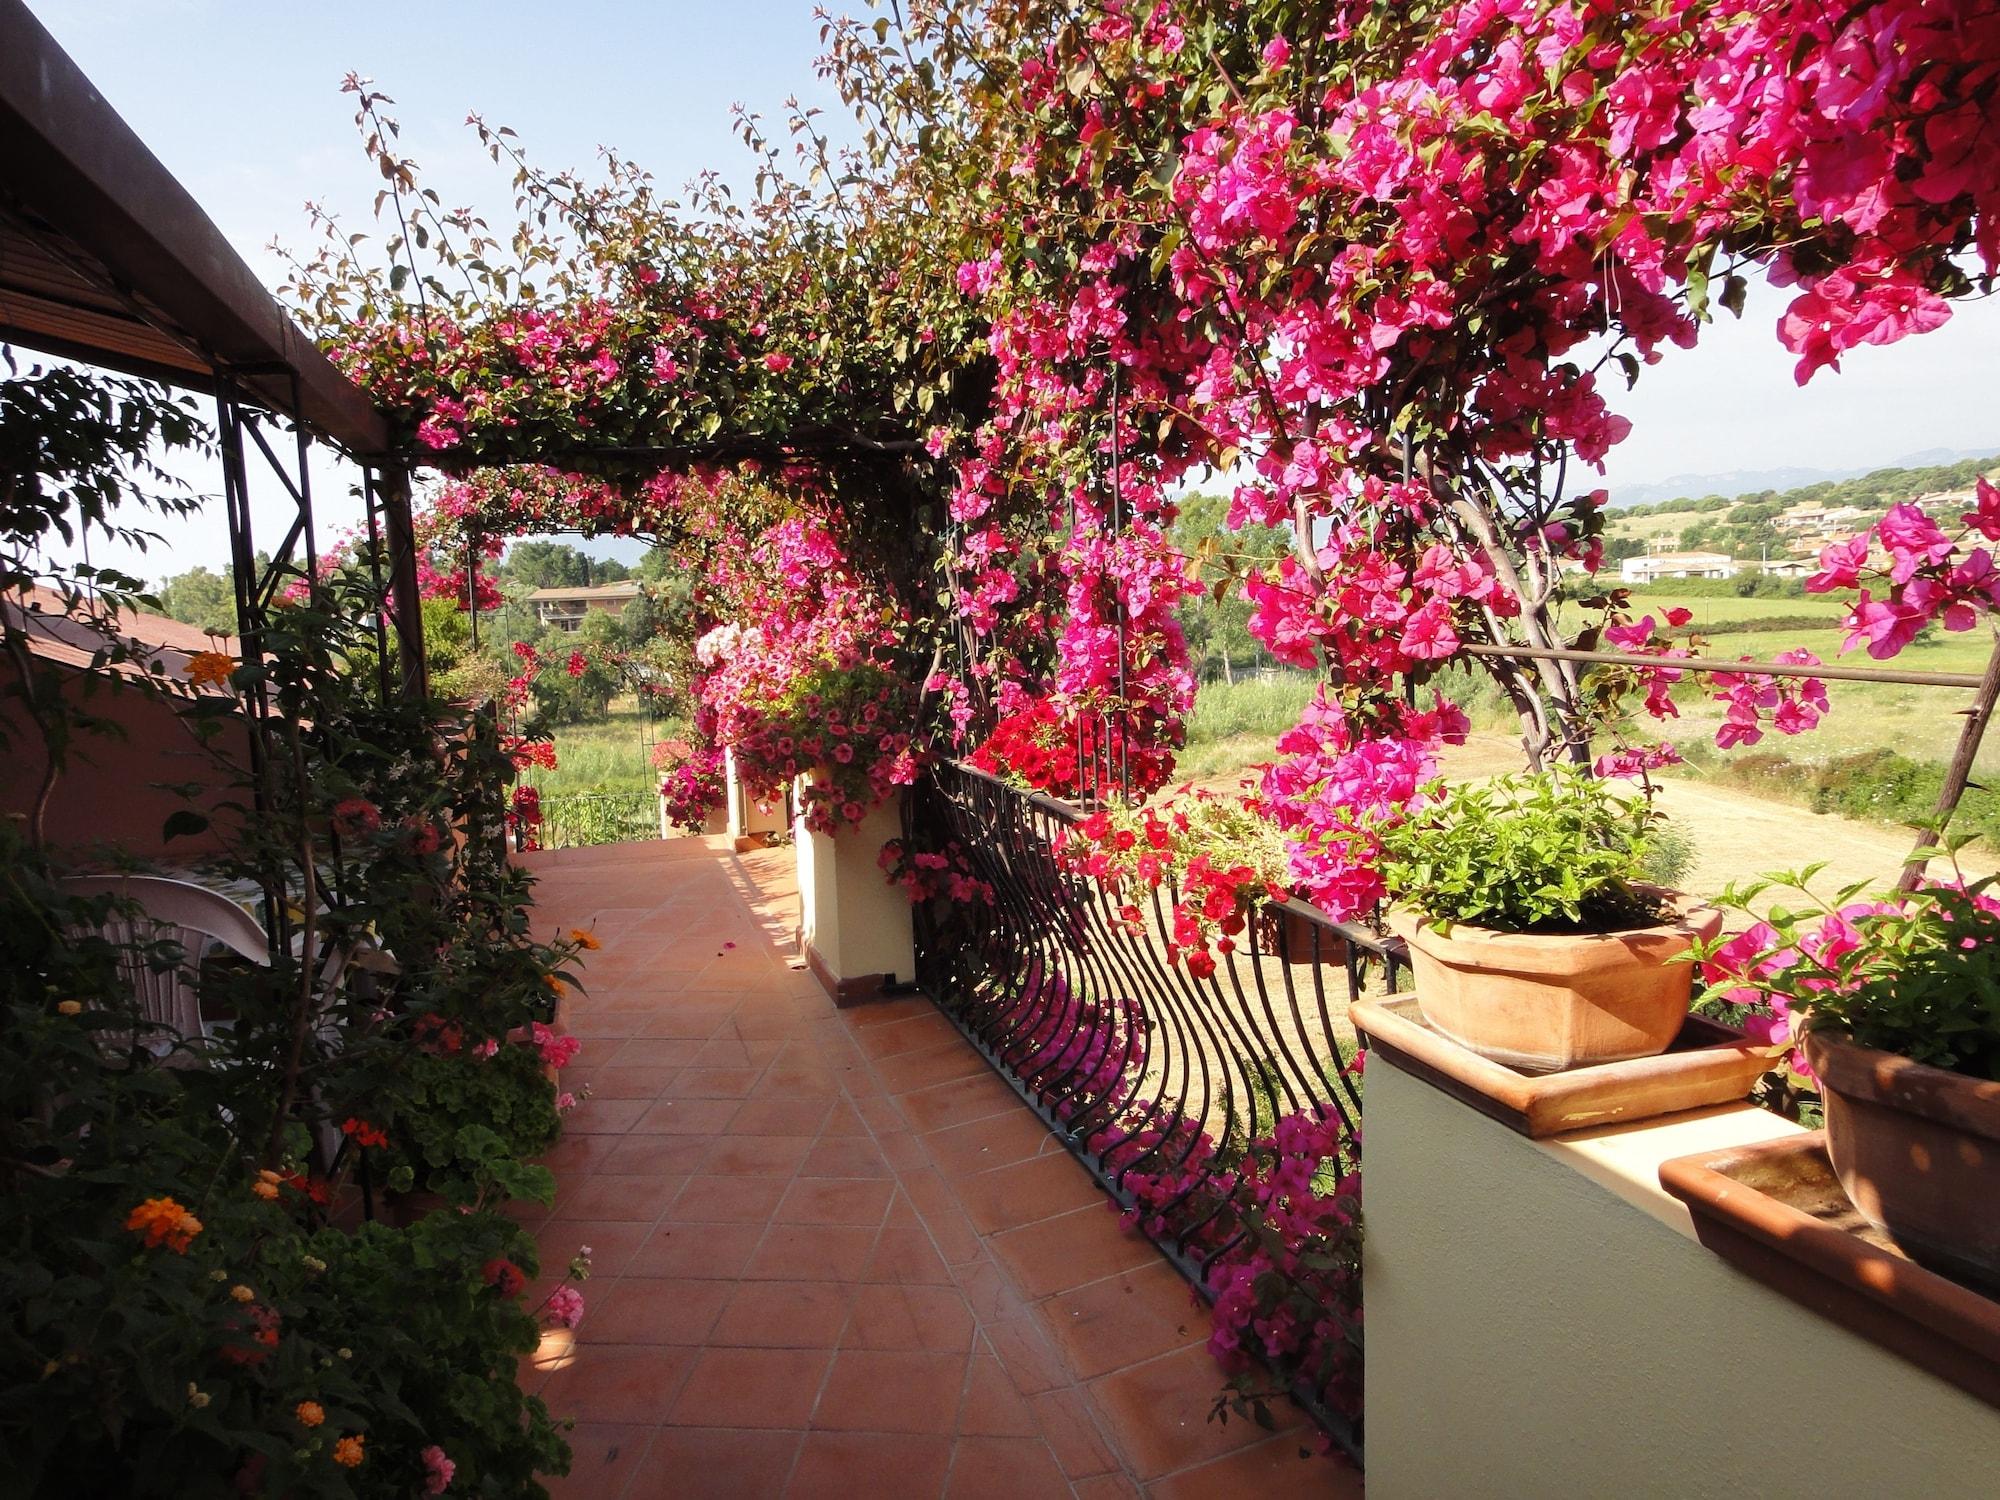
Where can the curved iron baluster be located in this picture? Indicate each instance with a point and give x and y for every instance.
(1156, 1078)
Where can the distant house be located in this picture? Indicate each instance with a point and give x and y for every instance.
(1791, 567)
(565, 608)
(1806, 516)
(1677, 565)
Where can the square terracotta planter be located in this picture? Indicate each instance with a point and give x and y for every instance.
(1706, 1065)
(1777, 1212)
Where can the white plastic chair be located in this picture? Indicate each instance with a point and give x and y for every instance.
(178, 911)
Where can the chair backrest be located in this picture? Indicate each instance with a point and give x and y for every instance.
(176, 911)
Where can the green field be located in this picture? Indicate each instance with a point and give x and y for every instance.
(613, 755)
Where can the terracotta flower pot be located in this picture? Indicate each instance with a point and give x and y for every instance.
(1543, 1003)
(1917, 1150)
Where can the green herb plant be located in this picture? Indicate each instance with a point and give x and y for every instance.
(1558, 851)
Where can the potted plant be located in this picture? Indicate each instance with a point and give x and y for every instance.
(1534, 936)
(1892, 1006)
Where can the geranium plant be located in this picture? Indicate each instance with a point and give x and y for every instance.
(1910, 972)
(1213, 856)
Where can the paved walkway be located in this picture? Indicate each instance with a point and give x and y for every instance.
(835, 1256)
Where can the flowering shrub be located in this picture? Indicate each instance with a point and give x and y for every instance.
(1215, 855)
(1284, 1225)
(693, 786)
(182, 1312)
(844, 726)
(1034, 744)
(1910, 972)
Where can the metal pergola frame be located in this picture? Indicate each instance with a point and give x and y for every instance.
(107, 260)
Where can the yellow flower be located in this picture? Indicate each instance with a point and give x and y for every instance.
(242, 1293)
(210, 668)
(348, 1452)
(584, 939)
(311, 1414)
(197, 1398)
(70, 1008)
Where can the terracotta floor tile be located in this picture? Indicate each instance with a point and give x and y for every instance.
(612, 1242)
(877, 1391)
(1027, 1353)
(945, 1063)
(1271, 1470)
(1160, 1409)
(653, 1054)
(784, 1315)
(651, 1155)
(944, 1105)
(853, 1263)
(1026, 1192)
(812, 1252)
(1069, 1425)
(913, 1033)
(715, 1083)
(986, 1144)
(705, 1117)
(872, 1466)
(608, 1195)
(1133, 1316)
(619, 1082)
(843, 1120)
(835, 1200)
(698, 1250)
(887, 1012)
(1106, 1487)
(928, 1318)
(998, 1468)
(906, 1255)
(781, 1117)
(727, 1200)
(991, 1407)
(603, 1459)
(714, 1463)
(618, 1383)
(751, 1388)
(845, 1156)
(600, 1115)
(1069, 1250)
(655, 1309)
(758, 1155)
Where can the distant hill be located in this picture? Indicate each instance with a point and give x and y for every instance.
(1743, 482)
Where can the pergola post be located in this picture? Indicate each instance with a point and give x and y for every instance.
(406, 605)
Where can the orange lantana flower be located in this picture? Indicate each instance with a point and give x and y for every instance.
(210, 668)
(310, 1413)
(348, 1452)
(584, 938)
(164, 1222)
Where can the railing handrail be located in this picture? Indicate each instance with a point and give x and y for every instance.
(1374, 939)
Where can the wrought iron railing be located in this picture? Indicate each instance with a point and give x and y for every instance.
(574, 820)
(1164, 1084)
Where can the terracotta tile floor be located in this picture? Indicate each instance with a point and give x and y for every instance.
(834, 1255)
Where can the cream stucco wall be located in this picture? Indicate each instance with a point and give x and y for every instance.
(849, 914)
(745, 816)
(1542, 1324)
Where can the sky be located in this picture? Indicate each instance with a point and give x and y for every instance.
(242, 102)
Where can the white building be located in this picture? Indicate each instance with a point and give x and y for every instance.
(1677, 565)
